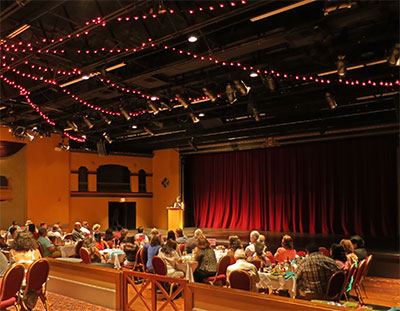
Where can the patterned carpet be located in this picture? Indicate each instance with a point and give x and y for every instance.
(63, 303)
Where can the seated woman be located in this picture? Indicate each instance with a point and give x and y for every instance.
(170, 255)
(152, 250)
(234, 244)
(90, 244)
(261, 255)
(349, 250)
(100, 243)
(339, 255)
(109, 238)
(286, 251)
(205, 256)
(24, 249)
(130, 248)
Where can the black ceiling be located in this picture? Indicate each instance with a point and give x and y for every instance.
(287, 99)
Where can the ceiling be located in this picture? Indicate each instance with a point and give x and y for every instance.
(79, 64)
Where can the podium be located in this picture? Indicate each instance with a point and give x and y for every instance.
(175, 218)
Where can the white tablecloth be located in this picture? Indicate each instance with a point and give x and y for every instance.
(219, 254)
(188, 267)
(67, 250)
(277, 283)
(116, 256)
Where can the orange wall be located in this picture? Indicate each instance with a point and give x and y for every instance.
(165, 164)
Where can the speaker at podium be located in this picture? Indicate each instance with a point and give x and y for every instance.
(175, 214)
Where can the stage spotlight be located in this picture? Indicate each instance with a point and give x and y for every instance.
(61, 146)
(230, 93)
(269, 82)
(148, 131)
(124, 113)
(194, 118)
(394, 59)
(341, 66)
(242, 87)
(182, 101)
(87, 122)
(165, 105)
(107, 138)
(153, 107)
(209, 94)
(106, 120)
(330, 100)
(72, 126)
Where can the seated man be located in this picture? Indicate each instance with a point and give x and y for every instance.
(141, 237)
(77, 234)
(192, 242)
(250, 250)
(242, 264)
(55, 231)
(180, 237)
(313, 274)
(85, 228)
(49, 250)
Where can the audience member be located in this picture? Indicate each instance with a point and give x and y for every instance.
(152, 250)
(124, 233)
(260, 254)
(339, 255)
(205, 256)
(85, 228)
(261, 238)
(286, 251)
(181, 238)
(130, 248)
(55, 231)
(96, 228)
(234, 244)
(359, 247)
(191, 243)
(43, 225)
(90, 244)
(170, 255)
(171, 235)
(349, 249)
(12, 233)
(32, 229)
(49, 250)
(313, 274)
(100, 243)
(243, 265)
(77, 234)
(141, 237)
(14, 224)
(24, 249)
(109, 238)
(254, 235)
(117, 235)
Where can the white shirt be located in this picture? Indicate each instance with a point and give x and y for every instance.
(251, 269)
(250, 250)
(84, 230)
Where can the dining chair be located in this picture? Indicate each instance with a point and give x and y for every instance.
(365, 272)
(347, 283)
(36, 280)
(182, 247)
(10, 286)
(256, 263)
(160, 268)
(220, 277)
(240, 279)
(85, 255)
(357, 279)
(335, 286)
(143, 258)
(78, 246)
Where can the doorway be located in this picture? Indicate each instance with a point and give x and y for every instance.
(122, 214)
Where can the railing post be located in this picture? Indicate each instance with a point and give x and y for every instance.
(153, 295)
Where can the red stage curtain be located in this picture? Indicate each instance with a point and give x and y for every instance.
(340, 187)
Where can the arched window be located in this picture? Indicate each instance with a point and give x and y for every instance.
(113, 178)
(83, 179)
(142, 181)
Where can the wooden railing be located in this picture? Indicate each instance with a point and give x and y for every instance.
(152, 292)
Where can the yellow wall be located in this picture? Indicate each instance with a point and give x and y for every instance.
(165, 164)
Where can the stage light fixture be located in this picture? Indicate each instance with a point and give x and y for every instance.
(134, 126)
(230, 93)
(253, 74)
(148, 131)
(242, 87)
(269, 82)
(341, 66)
(61, 146)
(330, 100)
(194, 118)
(201, 115)
(394, 59)
(182, 101)
(209, 94)
(72, 126)
(192, 38)
(107, 138)
(88, 122)
(153, 107)
(106, 120)
(124, 113)
(165, 105)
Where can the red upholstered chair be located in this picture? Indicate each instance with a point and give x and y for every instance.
(85, 255)
(301, 253)
(139, 264)
(159, 265)
(143, 258)
(220, 276)
(110, 244)
(41, 250)
(78, 247)
(349, 274)
(10, 286)
(271, 258)
(182, 247)
(239, 279)
(36, 279)
(325, 251)
(257, 263)
(365, 272)
(335, 286)
(358, 277)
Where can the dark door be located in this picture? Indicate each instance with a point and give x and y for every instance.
(122, 214)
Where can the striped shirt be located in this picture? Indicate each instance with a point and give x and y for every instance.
(313, 273)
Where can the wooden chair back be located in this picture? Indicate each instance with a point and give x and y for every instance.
(240, 279)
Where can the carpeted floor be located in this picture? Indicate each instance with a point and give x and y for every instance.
(63, 303)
